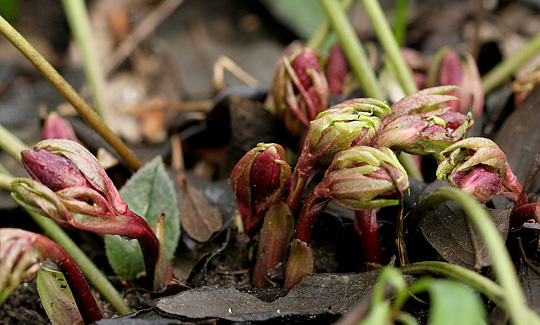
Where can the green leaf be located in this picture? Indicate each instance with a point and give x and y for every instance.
(148, 193)
(56, 297)
(302, 16)
(454, 303)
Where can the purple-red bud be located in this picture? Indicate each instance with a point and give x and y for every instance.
(337, 69)
(54, 171)
(56, 127)
(482, 184)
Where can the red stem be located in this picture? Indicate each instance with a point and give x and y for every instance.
(88, 307)
(314, 204)
(149, 245)
(298, 182)
(365, 224)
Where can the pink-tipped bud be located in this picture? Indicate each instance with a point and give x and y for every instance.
(56, 127)
(482, 184)
(302, 63)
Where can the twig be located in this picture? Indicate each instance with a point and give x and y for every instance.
(140, 33)
(224, 63)
(64, 88)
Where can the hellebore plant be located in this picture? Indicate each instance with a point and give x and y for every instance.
(360, 178)
(352, 123)
(258, 180)
(21, 254)
(70, 186)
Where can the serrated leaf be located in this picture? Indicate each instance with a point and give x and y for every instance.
(148, 193)
(56, 297)
(454, 303)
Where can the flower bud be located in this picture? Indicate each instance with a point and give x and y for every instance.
(524, 85)
(258, 180)
(89, 166)
(420, 102)
(337, 69)
(363, 177)
(299, 89)
(472, 164)
(21, 254)
(450, 69)
(56, 127)
(424, 133)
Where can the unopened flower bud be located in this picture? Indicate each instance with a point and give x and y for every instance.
(258, 180)
(425, 133)
(363, 177)
(473, 164)
(55, 127)
(299, 90)
(337, 69)
(450, 69)
(21, 255)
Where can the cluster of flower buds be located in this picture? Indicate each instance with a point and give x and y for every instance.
(299, 89)
(478, 166)
(70, 186)
(21, 255)
(449, 69)
(258, 180)
(354, 122)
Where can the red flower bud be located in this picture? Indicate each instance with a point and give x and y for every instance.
(337, 69)
(56, 127)
(258, 180)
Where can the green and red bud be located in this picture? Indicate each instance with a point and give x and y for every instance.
(483, 160)
(425, 133)
(258, 180)
(299, 90)
(71, 187)
(21, 254)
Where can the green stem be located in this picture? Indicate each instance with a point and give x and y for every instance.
(320, 35)
(391, 47)
(77, 16)
(356, 56)
(400, 21)
(10, 144)
(501, 262)
(87, 113)
(89, 269)
(506, 68)
(476, 281)
(5, 179)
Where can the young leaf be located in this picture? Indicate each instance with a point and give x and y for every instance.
(148, 193)
(454, 303)
(56, 297)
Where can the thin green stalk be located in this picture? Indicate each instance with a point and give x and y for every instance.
(10, 144)
(79, 22)
(504, 70)
(501, 262)
(87, 113)
(400, 21)
(320, 35)
(356, 56)
(391, 47)
(13, 146)
(476, 281)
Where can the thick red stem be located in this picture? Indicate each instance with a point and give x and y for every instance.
(314, 204)
(365, 224)
(298, 182)
(88, 307)
(149, 245)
